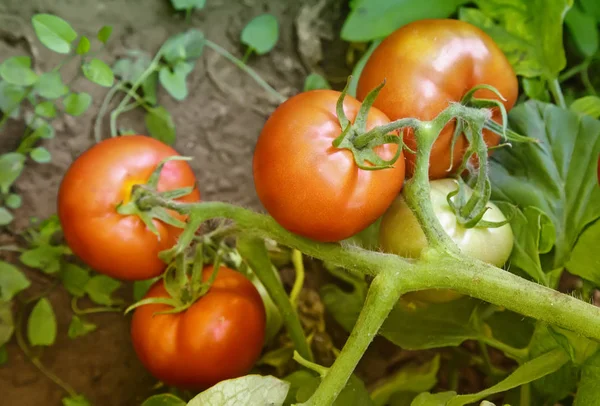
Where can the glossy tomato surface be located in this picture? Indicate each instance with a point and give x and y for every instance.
(310, 187)
(429, 63)
(219, 337)
(96, 183)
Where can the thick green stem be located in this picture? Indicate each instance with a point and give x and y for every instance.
(557, 93)
(383, 295)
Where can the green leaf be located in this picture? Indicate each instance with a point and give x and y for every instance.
(535, 88)
(373, 19)
(579, 348)
(584, 260)
(11, 97)
(140, 288)
(41, 326)
(261, 33)
(100, 289)
(44, 130)
(160, 125)
(12, 281)
(183, 47)
(584, 30)
(149, 88)
(556, 175)
(46, 109)
(84, 45)
(591, 7)
(588, 105)
(188, 4)
(46, 258)
(411, 378)
(104, 34)
(131, 68)
(17, 71)
(248, 390)
(510, 328)
(7, 326)
(11, 166)
(588, 393)
(74, 279)
(344, 305)
(76, 400)
(529, 32)
(54, 32)
(51, 86)
(315, 81)
(437, 399)
(77, 103)
(174, 81)
(98, 72)
(13, 201)
(304, 383)
(79, 327)
(299, 381)
(3, 355)
(40, 155)
(165, 399)
(5, 217)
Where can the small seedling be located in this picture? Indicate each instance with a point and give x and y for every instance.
(260, 35)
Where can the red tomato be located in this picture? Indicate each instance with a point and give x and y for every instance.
(312, 188)
(218, 337)
(94, 185)
(427, 65)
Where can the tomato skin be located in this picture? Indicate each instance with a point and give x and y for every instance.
(218, 337)
(429, 63)
(308, 186)
(96, 182)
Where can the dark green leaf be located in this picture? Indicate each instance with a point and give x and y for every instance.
(100, 289)
(591, 7)
(584, 29)
(588, 105)
(588, 393)
(13, 201)
(46, 258)
(372, 19)
(84, 45)
(584, 260)
(46, 109)
(174, 81)
(11, 166)
(98, 72)
(529, 32)
(104, 34)
(74, 279)
(160, 125)
(5, 217)
(188, 4)
(51, 86)
(165, 399)
(299, 381)
(7, 326)
(3, 354)
(12, 281)
(17, 71)
(11, 97)
(41, 326)
(535, 88)
(149, 88)
(315, 81)
(76, 400)
(557, 175)
(77, 103)
(79, 327)
(437, 399)
(343, 305)
(54, 32)
(303, 384)
(261, 33)
(511, 328)
(248, 390)
(185, 46)
(40, 155)
(140, 288)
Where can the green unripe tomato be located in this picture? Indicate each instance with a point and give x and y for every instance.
(401, 234)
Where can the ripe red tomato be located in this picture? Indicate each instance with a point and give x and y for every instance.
(312, 188)
(218, 337)
(94, 185)
(428, 64)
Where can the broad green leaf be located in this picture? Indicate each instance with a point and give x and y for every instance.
(412, 379)
(84, 45)
(12, 281)
(186, 46)
(41, 326)
(578, 347)
(7, 326)
(588, 393)
(429, 399)
(344, 305)
(76, 400)
(556, 175)
(51, 86)
(77, 103)
(46, 109)
(79, 327)
(373, 19)
(188, 4)
(17, 71)
(511, 328)
(54, 32)
(5, 216)
(160, 124)
(40, 155)
(584, 30)
(299, 380)
(249, 390)
(174, 81)
(528, 372)
(584, 260)
(149, 88)
(11, 166)
(98, 72)
(140, 288)
(11, 97)
(100, 289)
(315, 81)
(588, 105)
(165, 399)
(261, 33)
(104, 34)
(13, 201)
(535, 88)
(304, 383)
(529, 32)
(591, 7)
(3, 354)
(46, 258)
(131, 68)
(74, 279)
